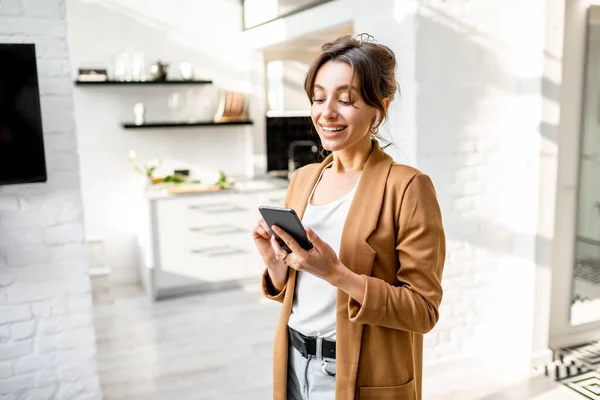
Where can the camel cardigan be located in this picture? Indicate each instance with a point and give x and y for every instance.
(394, 236)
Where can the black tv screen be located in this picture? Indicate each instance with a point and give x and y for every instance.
(22, 157)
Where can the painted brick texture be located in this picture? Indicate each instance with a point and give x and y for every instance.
(47, 345)
(469, 116)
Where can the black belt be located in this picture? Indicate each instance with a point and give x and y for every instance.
(308, 345)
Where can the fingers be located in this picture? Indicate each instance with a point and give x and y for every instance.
(288, 240)
(313, 237)
(265, 226)
(280, 253)
(262, 230)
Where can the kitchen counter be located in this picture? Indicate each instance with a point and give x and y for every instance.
(196, 241)
(240, 186)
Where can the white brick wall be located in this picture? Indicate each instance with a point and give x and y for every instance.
(479, 104)
(471, 74)
(47, 348)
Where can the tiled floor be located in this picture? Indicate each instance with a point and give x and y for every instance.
(218, 346)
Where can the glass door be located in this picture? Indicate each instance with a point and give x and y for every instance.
(585, 299)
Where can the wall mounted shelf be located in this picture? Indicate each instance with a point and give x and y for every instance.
(182, 124)
(142, 83)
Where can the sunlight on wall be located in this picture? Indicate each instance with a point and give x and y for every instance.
(481, 78)
(285, 83)
(275, 85)
(404, 10)
(258, 11)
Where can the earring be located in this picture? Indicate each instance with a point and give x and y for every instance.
(375, 126)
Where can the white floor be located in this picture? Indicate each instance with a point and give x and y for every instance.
(218, 346)
(478, 384)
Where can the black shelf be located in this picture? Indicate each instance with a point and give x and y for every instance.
(142, 83)
(147, 125)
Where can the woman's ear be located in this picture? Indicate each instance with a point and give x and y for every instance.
(386, 103)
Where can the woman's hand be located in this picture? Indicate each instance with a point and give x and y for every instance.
(277, 269)
(320, 261)
(262, 235)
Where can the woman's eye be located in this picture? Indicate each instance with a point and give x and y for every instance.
(318, 101)
(346, 103)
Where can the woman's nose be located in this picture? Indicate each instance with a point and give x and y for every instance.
(329, 110)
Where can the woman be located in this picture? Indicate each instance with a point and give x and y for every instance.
(356, 306)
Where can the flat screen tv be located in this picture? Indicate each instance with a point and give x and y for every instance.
(22, 158)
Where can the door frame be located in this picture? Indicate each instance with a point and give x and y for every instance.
(569, 136)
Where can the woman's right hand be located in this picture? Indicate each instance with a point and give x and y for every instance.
(262, 239)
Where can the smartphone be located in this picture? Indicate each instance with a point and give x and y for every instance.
(286, 219)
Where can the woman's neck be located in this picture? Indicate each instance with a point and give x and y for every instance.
(352, 159)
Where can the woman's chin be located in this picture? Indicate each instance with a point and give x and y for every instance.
(333, 144)
(337, 144)
(329, 146)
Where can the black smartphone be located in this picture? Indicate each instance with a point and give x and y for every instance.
(286, 219)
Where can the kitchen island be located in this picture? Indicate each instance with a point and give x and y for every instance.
(193, 241)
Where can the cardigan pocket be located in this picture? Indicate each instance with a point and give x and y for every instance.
(402, 392)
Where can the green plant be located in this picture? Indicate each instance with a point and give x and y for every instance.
(222, 181)
(173, 179)
(150, 165)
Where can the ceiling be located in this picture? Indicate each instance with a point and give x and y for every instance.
(310, 44)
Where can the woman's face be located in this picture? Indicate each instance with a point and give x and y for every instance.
(339, 123)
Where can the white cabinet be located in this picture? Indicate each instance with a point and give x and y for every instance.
(199, 242)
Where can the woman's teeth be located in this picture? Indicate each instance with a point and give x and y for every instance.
(337, 129)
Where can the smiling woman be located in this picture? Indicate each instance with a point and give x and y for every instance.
(356, 305)
(341, 74)
(341, 119)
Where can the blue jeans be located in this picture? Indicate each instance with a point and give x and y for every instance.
(310, 378)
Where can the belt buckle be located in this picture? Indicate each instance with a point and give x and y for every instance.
(319, 349)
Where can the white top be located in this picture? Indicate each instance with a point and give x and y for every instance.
(313, 310)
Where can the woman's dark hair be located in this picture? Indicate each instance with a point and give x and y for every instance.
(374, 64)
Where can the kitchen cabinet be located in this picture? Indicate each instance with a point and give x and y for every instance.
(195, 242)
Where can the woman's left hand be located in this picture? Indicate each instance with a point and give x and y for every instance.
(320, 261)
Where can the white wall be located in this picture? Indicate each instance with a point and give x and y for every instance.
(47, 344)
(294, 96)
(394, 23)
(479, 108)
(204, 33)
(469, 116)
(285, 86)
